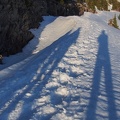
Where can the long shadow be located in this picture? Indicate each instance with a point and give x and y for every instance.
(52, 55)
(102, 63)
(34, 41)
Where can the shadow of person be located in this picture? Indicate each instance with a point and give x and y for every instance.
(39, 70)
(102, 65)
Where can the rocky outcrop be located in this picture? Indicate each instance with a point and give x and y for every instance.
(18, 16)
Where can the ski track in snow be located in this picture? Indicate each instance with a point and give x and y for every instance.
(74, 76)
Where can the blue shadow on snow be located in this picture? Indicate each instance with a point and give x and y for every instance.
(46, 61)
(102, 64)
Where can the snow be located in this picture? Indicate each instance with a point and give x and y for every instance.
(70, 71)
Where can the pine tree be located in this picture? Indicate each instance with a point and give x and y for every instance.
(103, 4)
(115, 22)
(62, 2)
(119, 17)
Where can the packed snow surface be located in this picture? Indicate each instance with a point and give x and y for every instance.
(69, 71)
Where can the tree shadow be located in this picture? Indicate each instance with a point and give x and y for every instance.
(102, 64)
(42, 70)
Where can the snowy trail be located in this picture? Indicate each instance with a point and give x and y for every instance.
(74, 78)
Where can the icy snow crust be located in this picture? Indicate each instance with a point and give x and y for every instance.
(69, 71)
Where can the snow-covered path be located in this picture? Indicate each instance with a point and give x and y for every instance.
(74, 76)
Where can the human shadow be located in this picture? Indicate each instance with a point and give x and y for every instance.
(32, 44)
(46, 64)
(102, 64)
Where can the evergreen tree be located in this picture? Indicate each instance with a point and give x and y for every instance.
(62, 2)
(103, 4)
(115, 22)
(119, 17)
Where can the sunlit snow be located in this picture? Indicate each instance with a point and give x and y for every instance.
(69, 71)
